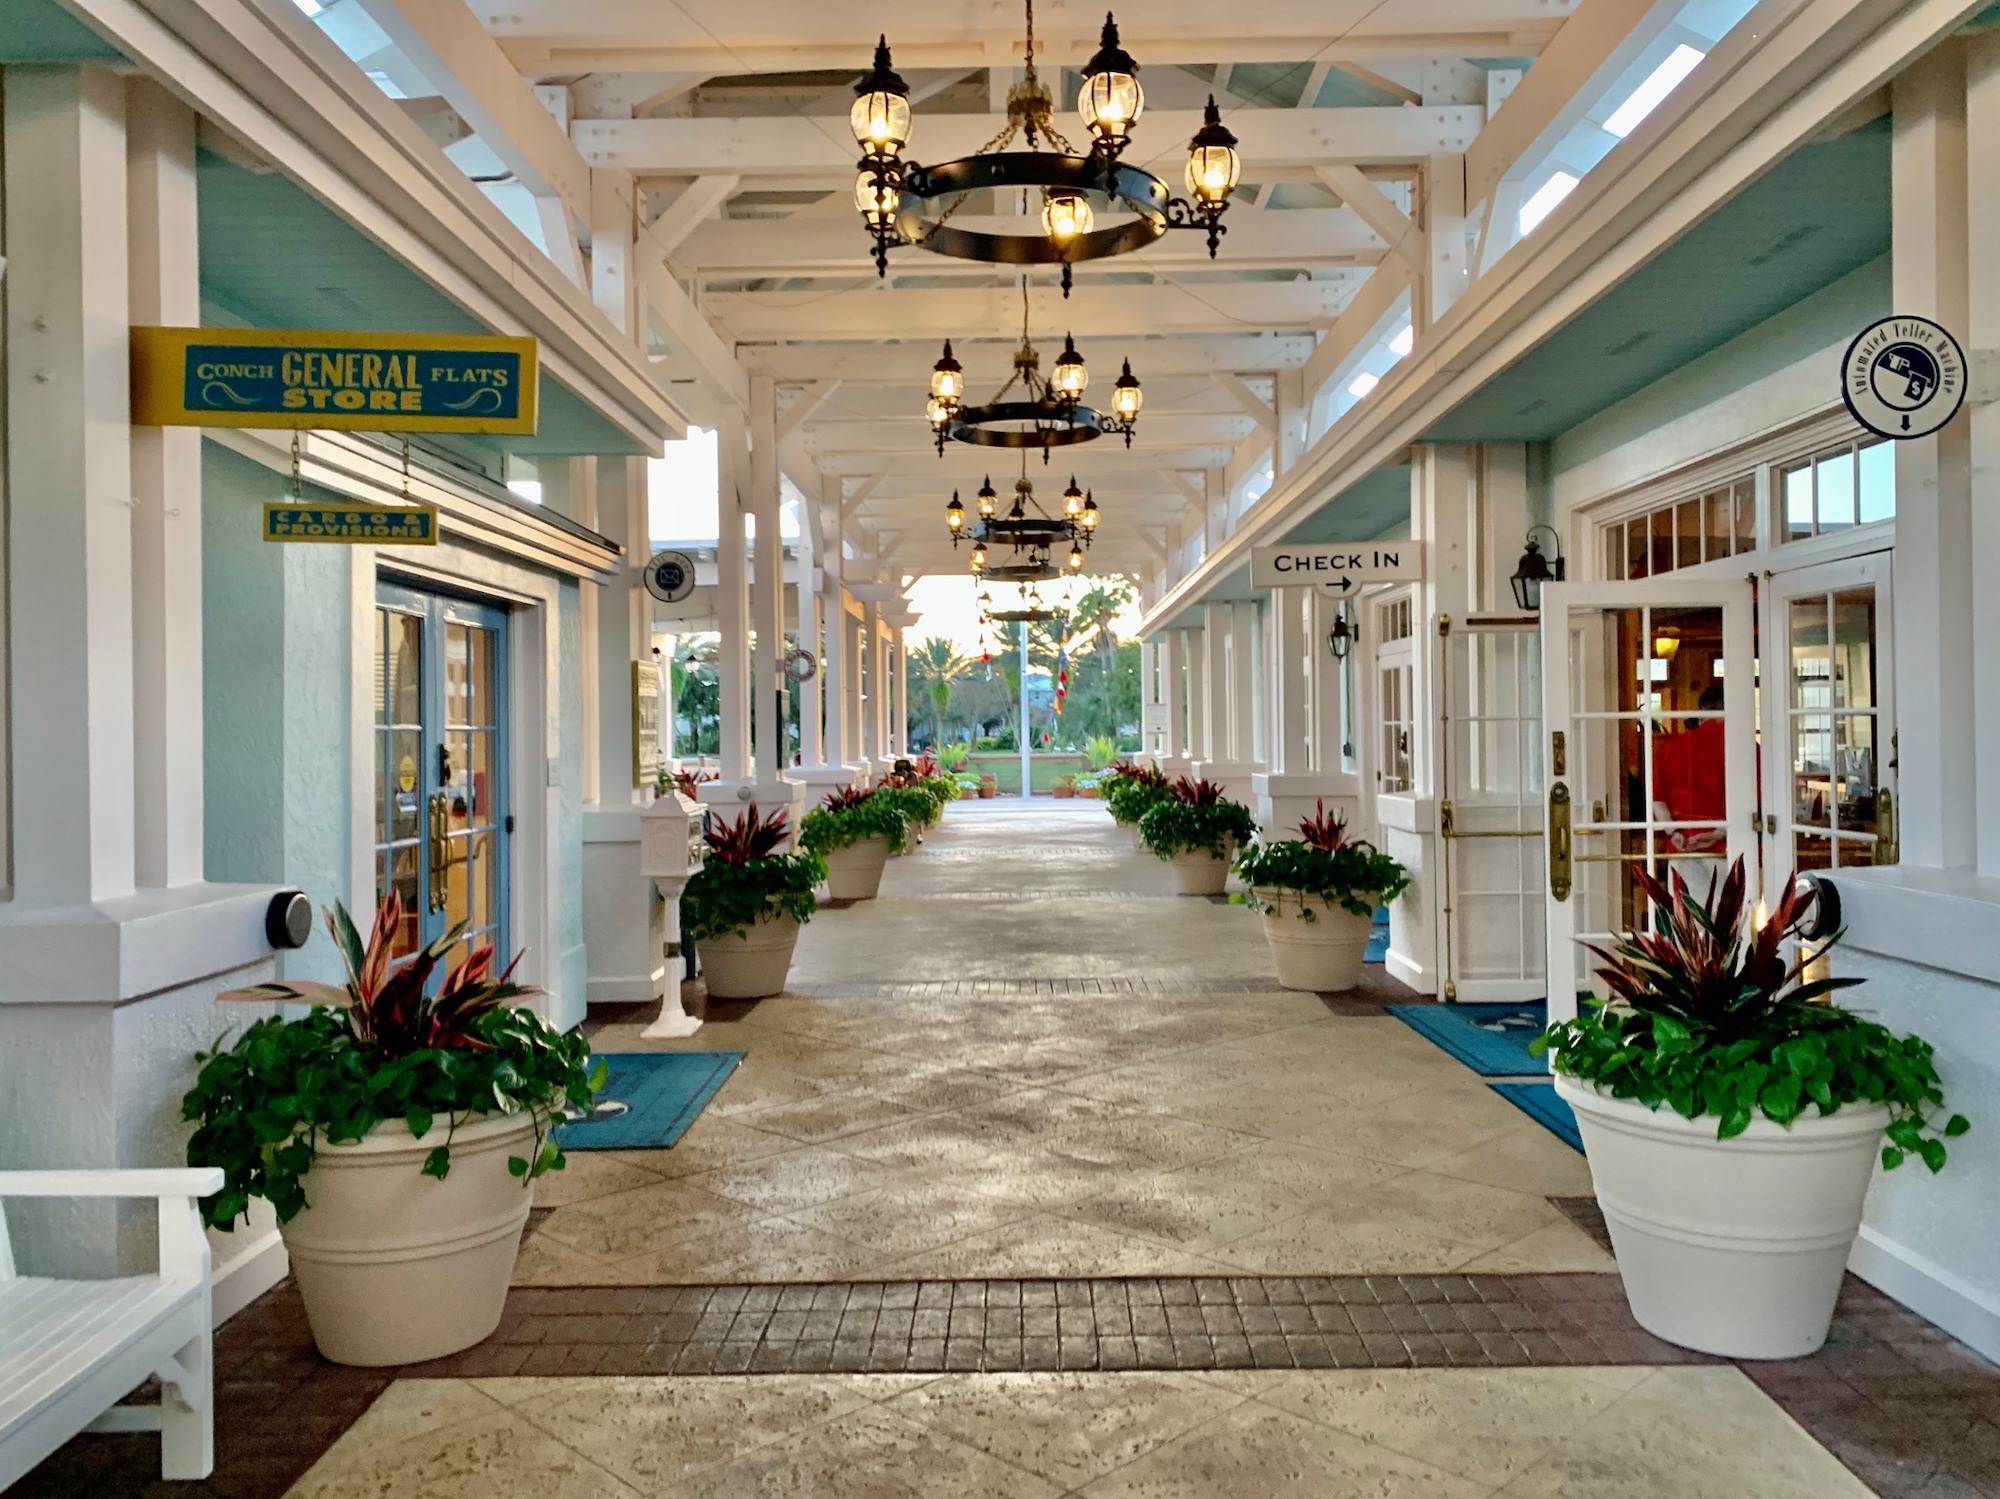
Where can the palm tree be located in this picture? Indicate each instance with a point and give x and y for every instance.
(1094, 612)
(933, 667)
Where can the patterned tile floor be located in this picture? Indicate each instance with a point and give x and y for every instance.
(1035, 1183)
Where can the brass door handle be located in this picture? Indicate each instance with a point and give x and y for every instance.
(1559, 849)
(1888, 842)
(440, 849)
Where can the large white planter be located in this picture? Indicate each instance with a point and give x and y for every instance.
(1200, 872)
(750, 963)
(855, 872)
(1323, 953)
(396, 1267)
(1733, 1247)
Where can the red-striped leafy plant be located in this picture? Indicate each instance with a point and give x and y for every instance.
(1322, 863)
(748, 837)
(747, 878)
(1196, 818)
(388, 1045)
(1711, 1013)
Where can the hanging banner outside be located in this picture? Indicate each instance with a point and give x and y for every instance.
(357, 525)
(1336, 566)
(348, 382)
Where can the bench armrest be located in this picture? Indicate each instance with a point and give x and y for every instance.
(165, 1181)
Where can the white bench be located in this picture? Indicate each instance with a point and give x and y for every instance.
(70, 1350)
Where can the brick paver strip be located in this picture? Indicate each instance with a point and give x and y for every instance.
(1914, 1414)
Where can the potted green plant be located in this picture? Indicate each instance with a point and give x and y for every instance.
(919, 806)
(989, 786)
(1087, 787)
(1198, 832)
(397, 1132)
(1130, 792)
(1318, 894)
(1733, 1208)
(854, 831)
(743, 908)
(1063, 788)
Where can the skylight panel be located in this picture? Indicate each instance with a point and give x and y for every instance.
(1361, 384)
(1644, 99)
(1546, 197)
(1404, 340)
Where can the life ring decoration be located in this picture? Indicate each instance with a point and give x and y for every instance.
(801, 665)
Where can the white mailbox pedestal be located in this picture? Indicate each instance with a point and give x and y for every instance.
(670, 852)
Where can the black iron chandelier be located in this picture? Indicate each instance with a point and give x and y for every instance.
(1031, 534)
(1049, 413)
(904, 203)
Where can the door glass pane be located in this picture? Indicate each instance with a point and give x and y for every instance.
(1812, 769)
(404, 774)
(457, 674)
(479, 783)
(463, 809)
(403, 869)
(1614, 551)
(401, 668)
(1834, 486)
(452, 879)
(1854, 772)
(1854, 648)
(1878, 482)
(1812, 668)
(1663, 542)
(1637, 540)
(481, 707)
(482, 882)
(1812, 852)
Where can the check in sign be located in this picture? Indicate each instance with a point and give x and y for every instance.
(354, 382)
(1336, 566)
(355, 525)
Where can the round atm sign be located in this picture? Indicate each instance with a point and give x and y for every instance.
(1903, 377)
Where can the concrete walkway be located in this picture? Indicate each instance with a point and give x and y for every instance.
(1030, 1057)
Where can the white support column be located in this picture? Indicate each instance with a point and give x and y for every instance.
(626, 923)
(767, 595)
(1286, 695)
(1246, 688)
(1935, 597)
(875, 719)
(1173, 701)
(69, 490)
(812, 743)
(590, 697)
(164, 286)
(1214, 684)
(1329, 728)
(732, 610)
(1982, 330)
(900, 674)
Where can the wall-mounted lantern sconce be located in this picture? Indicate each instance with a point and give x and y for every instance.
(1533, 570)
(1343, 637)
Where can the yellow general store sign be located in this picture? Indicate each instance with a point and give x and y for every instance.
(356, 382)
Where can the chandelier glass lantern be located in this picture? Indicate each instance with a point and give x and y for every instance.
(948, 378)
(1110, 100)
(1030, 534)
(954, 514)
(1070, 376)
(1088, 519)
(1094, 204)
(1073, 500)
(1127, 398)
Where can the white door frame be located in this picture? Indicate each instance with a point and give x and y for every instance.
(1867, 570)
(1733, 596)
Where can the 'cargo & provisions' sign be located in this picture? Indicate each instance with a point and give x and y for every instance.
(355, 382)
(1336, 566)
(359, 525)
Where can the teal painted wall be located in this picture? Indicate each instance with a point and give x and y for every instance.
(1828, 317)
(275, 683)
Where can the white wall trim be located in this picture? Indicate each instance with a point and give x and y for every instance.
(250, 1274)
(1929, 1290)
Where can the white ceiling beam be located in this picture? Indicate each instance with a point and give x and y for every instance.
(851, 504)
(1255, 406)
(551, 38)
(446, 43)
(1373, 207)
(1210, 307)
(988, 363)
(698, 351)
(1357, 327)
(1599, 38)
(1376, 80)
(809, 400)
(695, 204)
(965, 469)
(837, 244)
(789, 145)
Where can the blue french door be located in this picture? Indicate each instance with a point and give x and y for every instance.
(441, 815)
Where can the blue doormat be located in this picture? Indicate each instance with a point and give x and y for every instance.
(1491, 1039)
(1541, 1103)
(663, 1093)
(1378, 939)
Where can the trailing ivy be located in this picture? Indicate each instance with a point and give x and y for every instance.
(400, 1049)
(841, 823)
(918, 805)
(1708, 1018)
(1194, 818)
(1128, 798)
(1356, 878)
